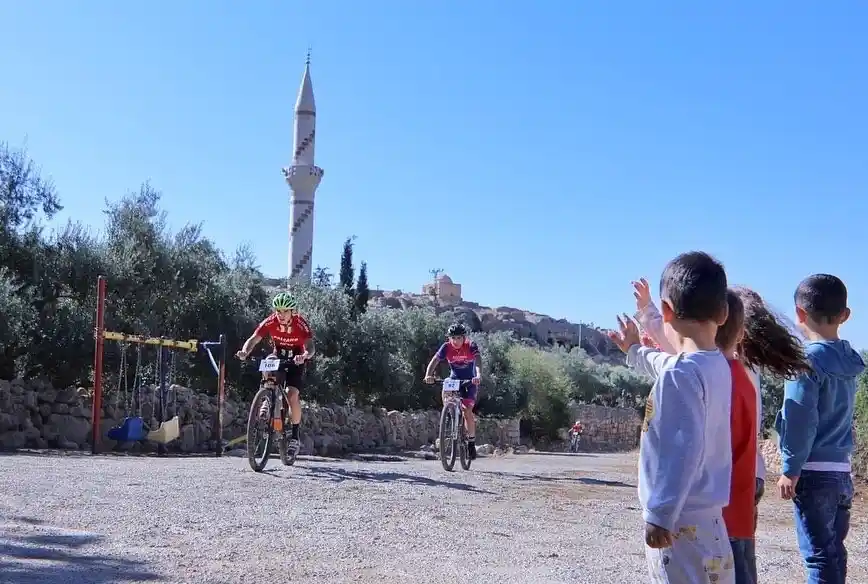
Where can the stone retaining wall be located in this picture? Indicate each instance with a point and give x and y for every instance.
(35, 415)
(608, 429)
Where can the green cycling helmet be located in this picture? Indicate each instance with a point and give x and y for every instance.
(284, 301)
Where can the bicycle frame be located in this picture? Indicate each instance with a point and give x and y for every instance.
(453, 399)
(454, 402)
(270, 381)
(277, 422)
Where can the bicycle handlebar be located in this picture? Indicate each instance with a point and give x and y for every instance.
(283, 360)
(461, 381)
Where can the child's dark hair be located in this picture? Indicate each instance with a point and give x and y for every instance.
(728, 332)
(694, 285)
(767, 342)
(822, 296)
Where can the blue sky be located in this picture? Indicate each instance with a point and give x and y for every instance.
(543, 156)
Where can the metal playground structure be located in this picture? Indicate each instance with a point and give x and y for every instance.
(133, 427)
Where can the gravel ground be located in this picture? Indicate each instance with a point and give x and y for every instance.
(537, 518)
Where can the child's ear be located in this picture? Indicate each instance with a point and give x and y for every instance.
(801, 315)
(844, 316)
(666, 311)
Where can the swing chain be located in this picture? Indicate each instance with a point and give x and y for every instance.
(172, 386)
(122, 375)
(158, 380)
(137, 379)
(172, 368)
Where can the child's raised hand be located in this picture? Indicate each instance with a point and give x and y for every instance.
(642, 293)
(627, 336)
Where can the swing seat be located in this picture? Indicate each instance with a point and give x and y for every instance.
(130, 430)
(167, 432)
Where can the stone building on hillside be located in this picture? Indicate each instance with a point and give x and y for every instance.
(444, 290)
(558, 332)
(567, 335)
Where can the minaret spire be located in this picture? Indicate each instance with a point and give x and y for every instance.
(303, 178)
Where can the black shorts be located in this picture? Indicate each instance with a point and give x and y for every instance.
(290, 374)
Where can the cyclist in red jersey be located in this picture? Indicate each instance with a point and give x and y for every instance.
(290, 334)
(577, 428)
(465, 362)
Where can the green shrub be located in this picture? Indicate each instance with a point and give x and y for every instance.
(538, 375)
(860, 422)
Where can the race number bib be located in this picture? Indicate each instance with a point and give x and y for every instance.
(269, 365)
(451, 385)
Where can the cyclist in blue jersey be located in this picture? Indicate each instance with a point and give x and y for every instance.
(465, 363)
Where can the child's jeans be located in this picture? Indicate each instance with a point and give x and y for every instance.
(822, 513)
(744, 560)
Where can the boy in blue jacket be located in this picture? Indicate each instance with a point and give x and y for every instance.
(815, 429)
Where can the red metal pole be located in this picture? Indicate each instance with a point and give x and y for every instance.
(97, 363)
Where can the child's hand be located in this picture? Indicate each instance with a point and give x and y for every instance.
(649, 342)
(628, 336)
(642, 293)
(656, 537)
(787, 486)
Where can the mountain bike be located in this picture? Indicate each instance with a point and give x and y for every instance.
(452, 429)
(575, 439)
(263, 429)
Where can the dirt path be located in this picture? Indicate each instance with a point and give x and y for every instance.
(544, 518)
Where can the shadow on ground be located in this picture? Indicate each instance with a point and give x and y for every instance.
(556, 479)
(51, 558)
(338, 475)
(48, 452)
(576, 454)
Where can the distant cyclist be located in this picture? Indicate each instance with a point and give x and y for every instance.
(575, 436)
(465, 363)
(577, 428)
(289, 333)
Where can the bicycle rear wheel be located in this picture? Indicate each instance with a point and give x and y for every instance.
(259, 431)
(447, 444)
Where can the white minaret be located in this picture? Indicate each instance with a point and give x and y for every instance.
(303, 178)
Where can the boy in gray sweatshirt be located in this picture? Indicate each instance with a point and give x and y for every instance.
(685, 458)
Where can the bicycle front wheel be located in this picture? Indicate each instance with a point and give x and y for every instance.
(259, 432)
(447, 443)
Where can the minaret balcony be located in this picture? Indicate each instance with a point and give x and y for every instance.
(302, 176)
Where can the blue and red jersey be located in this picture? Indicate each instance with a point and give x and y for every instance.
(462, 361)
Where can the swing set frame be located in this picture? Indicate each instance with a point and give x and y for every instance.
(165, 346)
